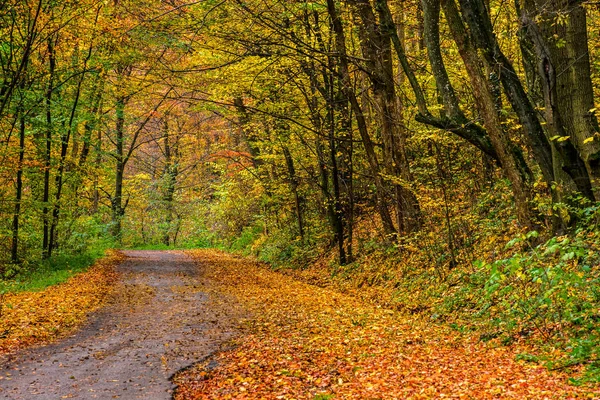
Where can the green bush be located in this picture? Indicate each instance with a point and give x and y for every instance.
(549, 291)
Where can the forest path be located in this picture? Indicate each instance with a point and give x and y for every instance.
(159, 321)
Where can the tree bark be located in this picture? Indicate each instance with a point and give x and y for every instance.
(462, 127)
(62, 167)
(476, 17)
(293, 180)
(170, 174)
(564, 74)
(118, 210)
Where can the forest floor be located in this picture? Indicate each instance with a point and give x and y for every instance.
(158, 320)
(228, 328)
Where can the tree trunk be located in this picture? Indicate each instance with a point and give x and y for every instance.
(62, 167)
(477, 19)
(486, 104)
(14, 253)
(48, 152)
(376, 49)
(120, 160)
(563, 68)
(344, 166)
(293, 179)
(170, 175)
(245, 131)
(344, 76)
(90, 125)
(460, 126)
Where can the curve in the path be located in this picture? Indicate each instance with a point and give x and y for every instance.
(159, 321)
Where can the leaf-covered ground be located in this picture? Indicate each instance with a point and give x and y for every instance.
(28, 318)
(305, 342)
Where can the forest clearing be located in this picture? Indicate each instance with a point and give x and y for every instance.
(300, 199)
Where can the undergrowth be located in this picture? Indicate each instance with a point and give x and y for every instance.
(549, 293)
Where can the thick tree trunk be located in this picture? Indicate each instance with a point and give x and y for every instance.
(563, 68)
(486, 104)
(475, 15)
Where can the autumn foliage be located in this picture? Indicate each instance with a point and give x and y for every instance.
(437, 158)
(28, 318)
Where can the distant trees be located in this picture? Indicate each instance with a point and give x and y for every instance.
(68, 74)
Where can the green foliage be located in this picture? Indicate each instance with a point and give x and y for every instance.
(549, 291)
(58, 269)
(323, 397)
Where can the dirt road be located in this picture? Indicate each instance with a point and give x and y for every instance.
(160, 321)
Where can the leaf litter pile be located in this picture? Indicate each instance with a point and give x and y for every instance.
(305, 342)
(28, 318)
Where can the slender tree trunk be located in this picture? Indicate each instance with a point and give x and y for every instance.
(96, 191)
(48, 152)
(344, 165)
(91, 125)
(245, 131)
(117, 199)
(18, 76)
(170, 175)
(343, 70)
(14, 253)
(340, 202)
(442, 176)
(62, 167)
(376, 49)
(293, 179)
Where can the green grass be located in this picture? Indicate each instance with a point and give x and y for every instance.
(49, 272)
